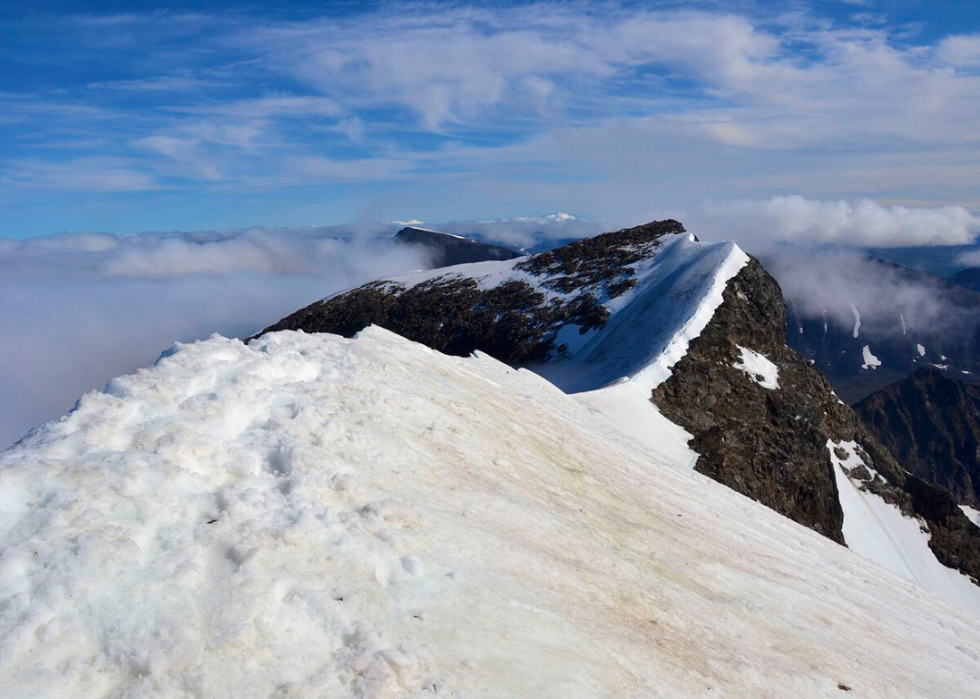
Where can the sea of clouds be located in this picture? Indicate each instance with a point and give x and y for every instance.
(77, 310)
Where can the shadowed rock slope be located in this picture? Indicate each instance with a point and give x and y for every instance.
(772, 444)
(931, 424)
(877, 344)
(769, 444)
(446, 249)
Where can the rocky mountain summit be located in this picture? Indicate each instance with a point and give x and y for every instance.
(516, 321)
(701, 328)
(447, 249)
(931, 423)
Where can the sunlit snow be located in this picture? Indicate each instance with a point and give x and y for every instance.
(870, 361)
(314, 516)
(759, 368)
(881, 533)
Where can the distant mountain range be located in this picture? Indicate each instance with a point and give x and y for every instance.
(871, 350)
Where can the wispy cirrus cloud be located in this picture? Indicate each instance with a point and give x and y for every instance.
(499, 109)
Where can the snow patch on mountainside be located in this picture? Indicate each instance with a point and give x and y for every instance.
(314, 516)
(870, 361)
(857, 321)
(759, 368)
(971, 514)
(880, 532)
(626, 407)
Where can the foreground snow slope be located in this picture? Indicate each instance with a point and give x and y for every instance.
(314, 516)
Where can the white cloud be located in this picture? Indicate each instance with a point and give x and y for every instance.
(969, 259)
(759, 224)
(77, 310)
(529, 231)
(532, 99)
(80, 175)
(962, 50)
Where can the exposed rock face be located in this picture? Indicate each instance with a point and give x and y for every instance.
(447, 249)
(931, 424)
(767, 443)
(772, 444)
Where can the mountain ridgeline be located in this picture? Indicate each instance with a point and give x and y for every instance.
(446, 249)
(616, 305)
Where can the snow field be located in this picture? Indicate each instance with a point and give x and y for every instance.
(313, 516)
(880, 532)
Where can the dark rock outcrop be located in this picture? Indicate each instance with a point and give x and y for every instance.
(931, 424)
(446, 249)
(772, 444)
(513, 322)
(768, 444)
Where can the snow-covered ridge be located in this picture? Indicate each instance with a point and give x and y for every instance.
(314, 516)
(678, 284)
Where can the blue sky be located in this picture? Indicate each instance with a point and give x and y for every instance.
(191, 116)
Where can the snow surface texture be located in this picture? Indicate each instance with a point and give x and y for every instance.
(759, 368)
(880, 532)
(870, 361)
(313, 516)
